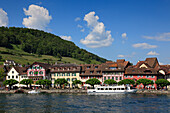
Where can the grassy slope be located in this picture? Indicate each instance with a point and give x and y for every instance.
(21, 57)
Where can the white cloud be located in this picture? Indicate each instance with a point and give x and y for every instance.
(97, 37)
(160, 63)
(124, 36)
(82, 30)
(79, 26)
(66, 38)
(3, 18)
(38, 17)
(152, 53)
(144, 46)
(120, 56)
(77, 19)
(160, 37)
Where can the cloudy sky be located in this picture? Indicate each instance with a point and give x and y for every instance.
(113, 29)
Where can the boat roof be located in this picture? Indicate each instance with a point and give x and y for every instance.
(120, 86)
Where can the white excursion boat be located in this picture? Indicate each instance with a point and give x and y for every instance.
(33, 92)
(111, 89)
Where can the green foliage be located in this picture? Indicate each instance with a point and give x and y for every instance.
(93, 81)
(126, 81)
(42, 43)
(61, 81)
(27, 82)
(77, 82)
(10, 82)
(44, 82)
(110, 82)
(2, 73)
(144, 82)
(162, 82)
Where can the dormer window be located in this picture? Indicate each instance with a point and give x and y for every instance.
(88, 67)
(91, 72)
(112, 68)
(96, 67)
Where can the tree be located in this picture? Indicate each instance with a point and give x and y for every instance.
(10, 82)
(2, 73)
(75, 82)
(60, 81)
(110, 82)
(162, 82)
(47, 82)
(40, 82)
(144, 82)
(93, 81)
(27, 82)
(126, 81)
(59, 56)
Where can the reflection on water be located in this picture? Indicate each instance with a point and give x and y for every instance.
(84, 103)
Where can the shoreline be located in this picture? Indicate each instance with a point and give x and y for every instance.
(80, 91)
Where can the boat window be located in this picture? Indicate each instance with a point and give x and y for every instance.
(98, 88)
(122, 88)
(118, 88)
(102, 88)
(110, 88)
(106, 89)
(114, 88)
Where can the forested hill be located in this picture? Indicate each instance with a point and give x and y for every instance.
(42, 43)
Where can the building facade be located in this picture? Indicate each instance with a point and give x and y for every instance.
(88, 71)
(114, 70)
(17, 73)
(147, 69)
(39, 71)
(70, 72)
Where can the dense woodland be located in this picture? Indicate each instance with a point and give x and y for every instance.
(43, 43)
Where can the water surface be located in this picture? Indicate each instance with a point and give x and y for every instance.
(71, 103)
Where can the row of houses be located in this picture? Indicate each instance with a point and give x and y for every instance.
(119, 70)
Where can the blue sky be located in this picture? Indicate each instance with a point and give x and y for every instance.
(113, 29)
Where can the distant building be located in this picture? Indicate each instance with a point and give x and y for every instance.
(70, 72)
(17, 73)
(88, 71)
(9, 63)
(114, 70)
(147, 69)
(39, 71)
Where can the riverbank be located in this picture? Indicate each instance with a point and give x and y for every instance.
(80, 91)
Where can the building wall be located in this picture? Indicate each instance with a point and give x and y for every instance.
(13, 74)
(137, 77)
(69, 76)
(117, 76)
(36, 72)
(85, 78)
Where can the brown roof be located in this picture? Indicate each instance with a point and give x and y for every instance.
(44, 65)
(91, 69)
(166, 68)
(65, 68)
(152, 67)
(21, 70)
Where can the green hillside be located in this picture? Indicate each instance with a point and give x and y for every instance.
(21, 57)
(28, 45)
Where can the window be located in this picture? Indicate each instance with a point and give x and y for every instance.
(63, 74)
(138, 76)
(120, 78)
(112, 78)
(36, 73)
(116, 78)
(96, 67)
(8, 76)
(88, 67)
(74, 74)
(12, 76)
(91, 72)
(37, 67)
(68, 79)
(108, 77)
(12, 71)
(104, 78)
(16, 76)
(126, 76)
(112, 68)
(152, 76)
(141, 76)
(68, 74)
(147, 76)
(131, 76)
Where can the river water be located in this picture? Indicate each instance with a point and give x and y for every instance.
(73, 103)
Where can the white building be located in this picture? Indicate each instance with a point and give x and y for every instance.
(17, 73)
